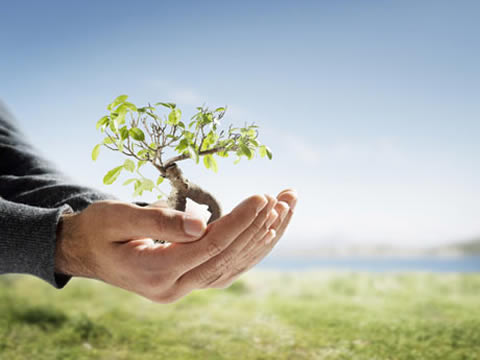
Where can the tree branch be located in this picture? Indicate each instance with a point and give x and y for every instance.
(201, 153)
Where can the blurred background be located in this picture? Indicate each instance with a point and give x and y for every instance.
(370, 108)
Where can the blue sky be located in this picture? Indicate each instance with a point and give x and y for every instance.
(371, 108)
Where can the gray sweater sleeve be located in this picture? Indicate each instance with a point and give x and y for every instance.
(33, 196)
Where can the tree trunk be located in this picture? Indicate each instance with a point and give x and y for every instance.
(183, 189)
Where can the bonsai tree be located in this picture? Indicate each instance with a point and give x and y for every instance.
(165, 140)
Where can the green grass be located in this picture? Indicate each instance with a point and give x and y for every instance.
(314, 315)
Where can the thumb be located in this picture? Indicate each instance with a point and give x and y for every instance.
(160, 223)
(159, 204)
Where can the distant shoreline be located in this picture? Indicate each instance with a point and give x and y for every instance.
(462, 249)
(376, 263)
(322, 255)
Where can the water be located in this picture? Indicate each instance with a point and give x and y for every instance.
(465, 264)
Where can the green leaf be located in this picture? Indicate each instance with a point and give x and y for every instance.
(174, 116)
(140, 163)
(182, 145)
(210, 162)
(193, 154)
(96, 151)
(254, 142)
(130, 106)
(129, 181)
(262, 150)
(129, 165)
(108, 140)
(246, 151)
(124, 133)
(167, 105)
(102, 121)
(143, 185)
(120, 119)
(251, 133)
(160, 179)
(138, 182)
(137, 187)
(206, 118)
(153, 115)
(148, 184)
(112, 175)
(188, 135)
(142, 153)
(118, 100)
(214, 165)
(137, 134)
(269, 152)
(220, 109)
(123, 108)
(206, 161)
(120, 145)
(114, 126)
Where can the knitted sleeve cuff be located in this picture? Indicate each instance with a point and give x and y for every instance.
(28, 240)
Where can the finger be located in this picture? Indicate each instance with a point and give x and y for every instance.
(159, 203)
(257, 251)
(289, 190)
(133, 221)
(257, 230)
(291, 198)
(254, 242)
(287, 200)
(282, 209)
(218, 238)
(247, 258)
(269, 244)
(224, 262)
(228, 278)
(253, 255)
(272, 217)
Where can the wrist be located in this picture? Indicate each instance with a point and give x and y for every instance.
(61, 247)
(70, 256)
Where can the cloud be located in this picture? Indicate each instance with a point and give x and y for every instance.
(354, 152)
(186, 96)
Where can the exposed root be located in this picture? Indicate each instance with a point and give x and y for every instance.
(183, 189)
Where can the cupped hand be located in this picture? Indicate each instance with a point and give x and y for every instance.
(253, 251)
(111, 241)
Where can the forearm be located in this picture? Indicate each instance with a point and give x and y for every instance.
(28, 240)
(33, 196)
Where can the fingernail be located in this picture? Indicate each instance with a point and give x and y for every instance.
(272, 219)
(284, 212)
(294, 203)
(262, 205)
(193, 226)
(271, 235)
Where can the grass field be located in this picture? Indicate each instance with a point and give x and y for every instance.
(310, 315)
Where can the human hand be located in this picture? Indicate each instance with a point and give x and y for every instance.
(248, 254)
(110, 241)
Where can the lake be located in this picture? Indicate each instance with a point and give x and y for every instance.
(465, 264)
